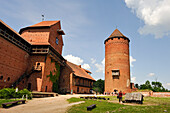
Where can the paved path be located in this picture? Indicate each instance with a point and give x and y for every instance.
(57, 104)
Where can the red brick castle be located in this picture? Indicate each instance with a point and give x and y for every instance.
(33, 59)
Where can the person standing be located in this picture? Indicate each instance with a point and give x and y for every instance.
(120, 96)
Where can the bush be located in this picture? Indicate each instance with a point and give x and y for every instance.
(8, 93)
(25, 92)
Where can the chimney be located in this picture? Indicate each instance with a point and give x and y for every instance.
(80, 66)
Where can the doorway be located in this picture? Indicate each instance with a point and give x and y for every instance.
(77, 89)
(29, 86)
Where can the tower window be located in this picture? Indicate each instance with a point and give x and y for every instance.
(57, 40)
(115, 73)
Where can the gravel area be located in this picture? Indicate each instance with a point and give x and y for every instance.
(57, 104)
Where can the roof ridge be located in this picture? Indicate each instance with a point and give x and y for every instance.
(116, 33)
(78, 71)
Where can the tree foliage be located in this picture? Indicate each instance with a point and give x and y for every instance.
(154, 86)
(98, 86)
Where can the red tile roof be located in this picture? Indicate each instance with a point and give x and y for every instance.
(78, 71)
(45, 23)
(116, 33)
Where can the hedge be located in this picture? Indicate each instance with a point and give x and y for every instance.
(8, 93)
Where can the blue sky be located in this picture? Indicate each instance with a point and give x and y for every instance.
(87, 23)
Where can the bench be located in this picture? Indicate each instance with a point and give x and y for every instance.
(88, 97)
(91, 107)
(4, 105)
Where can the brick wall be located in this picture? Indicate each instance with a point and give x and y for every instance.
(156, 94)
(161, 94)
(65, 83)
(53, 35)
(13, 62)
(36, 77)
(49, 67)
(36, 35)
(117, 58)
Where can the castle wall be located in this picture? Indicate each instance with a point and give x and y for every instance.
(65, 80)
(117, 58)
(52, 38)
(36, 36)
(13, 62)
(36, 77)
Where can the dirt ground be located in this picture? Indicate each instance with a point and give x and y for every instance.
(57, 104)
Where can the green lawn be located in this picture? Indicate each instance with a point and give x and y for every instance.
(151, 105)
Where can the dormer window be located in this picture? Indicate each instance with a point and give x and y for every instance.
(57, 40)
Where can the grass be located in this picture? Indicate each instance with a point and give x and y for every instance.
(151, 105)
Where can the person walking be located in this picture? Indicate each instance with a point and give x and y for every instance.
(120, 96)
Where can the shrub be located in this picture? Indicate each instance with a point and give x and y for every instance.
(8, 93)
(25, 92)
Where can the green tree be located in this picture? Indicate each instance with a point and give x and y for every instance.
(136, 86)
(147, 85)
(98, 86)
(156, 86)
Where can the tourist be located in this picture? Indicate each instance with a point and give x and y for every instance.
(120, 96)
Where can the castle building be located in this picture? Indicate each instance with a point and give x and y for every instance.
(117, 66)
(33, 59)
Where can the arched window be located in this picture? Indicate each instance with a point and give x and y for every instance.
(1, 77)
(8, 79)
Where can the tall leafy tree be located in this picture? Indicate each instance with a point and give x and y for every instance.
(154, 86)
(98, 86)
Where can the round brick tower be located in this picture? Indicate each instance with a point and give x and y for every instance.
(117, 67)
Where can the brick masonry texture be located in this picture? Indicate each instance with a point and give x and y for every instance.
(117, 58)
(15, 60)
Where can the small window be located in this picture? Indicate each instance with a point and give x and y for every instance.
(115, 73)
(8, 79)
(1, 77)
(57, 40)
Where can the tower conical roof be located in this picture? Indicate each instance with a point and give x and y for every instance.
(116, 33)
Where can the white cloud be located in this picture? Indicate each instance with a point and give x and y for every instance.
(86, 66)
(77, 61)
(168, 84)
(132, 60)
(100, 67)
(133, 79)
(154, 13)
(103, 62)
(73, 59)
(151, 74)
(93, 60)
